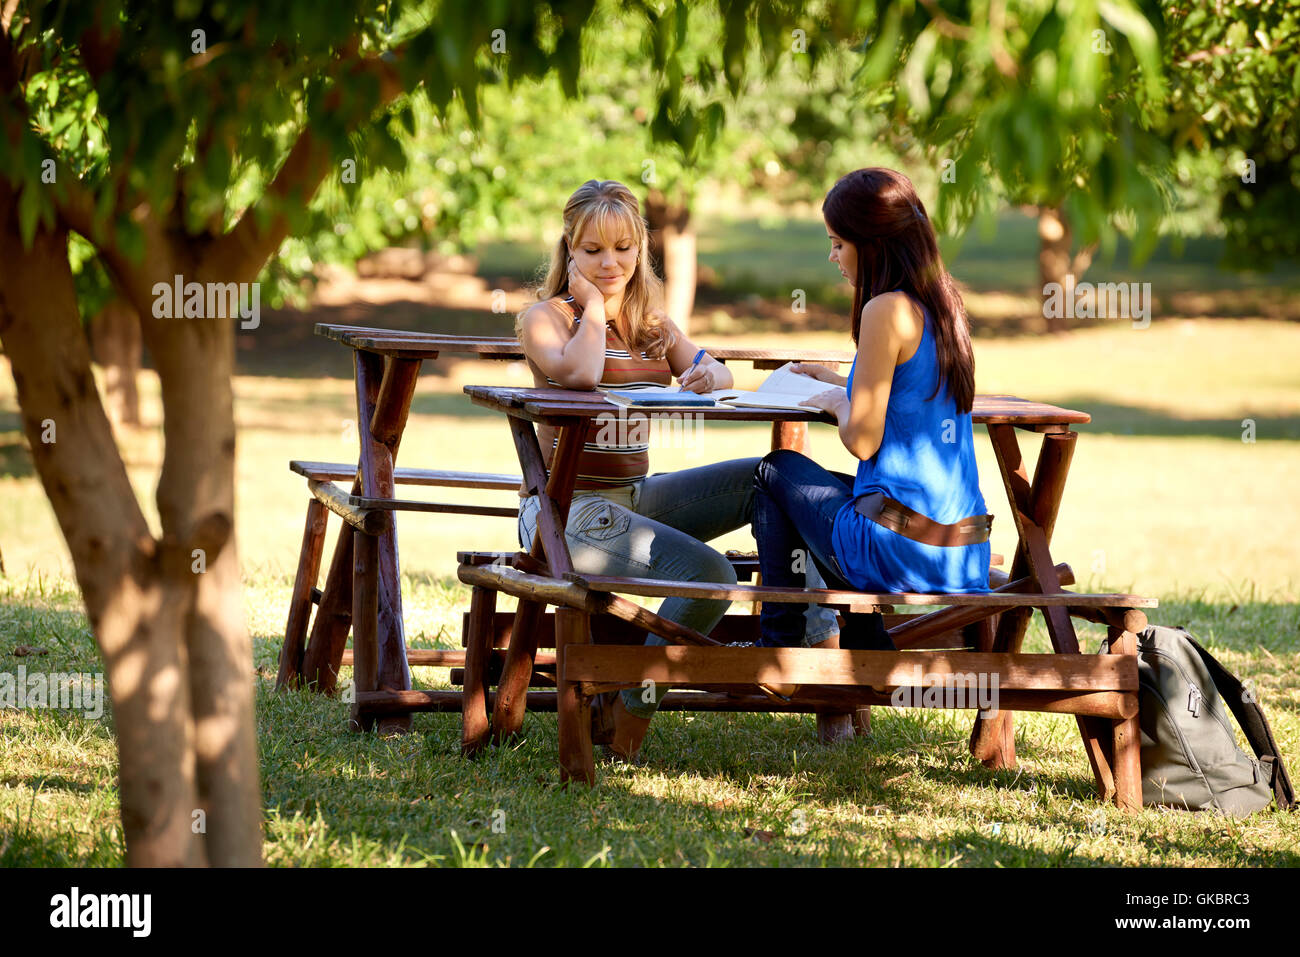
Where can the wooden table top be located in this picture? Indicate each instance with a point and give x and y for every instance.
(542, 405)
(428, 345)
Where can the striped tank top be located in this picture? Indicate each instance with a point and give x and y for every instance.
(612, 457)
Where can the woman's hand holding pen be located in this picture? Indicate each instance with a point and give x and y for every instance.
(699, 378)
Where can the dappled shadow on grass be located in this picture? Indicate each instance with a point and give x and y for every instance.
(725, 788)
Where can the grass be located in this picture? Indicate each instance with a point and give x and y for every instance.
(736, 790)
(1165, 498)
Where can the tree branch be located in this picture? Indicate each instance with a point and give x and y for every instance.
(244, 250)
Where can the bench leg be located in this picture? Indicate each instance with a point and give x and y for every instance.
(573, 627)
(1127, 741)
(295, 632)
(365, 623)
(837, 727)
(862, 721)
(475, 726)
(517, 672)
(329, 632)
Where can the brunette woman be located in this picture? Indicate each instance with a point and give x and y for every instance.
(912, 518)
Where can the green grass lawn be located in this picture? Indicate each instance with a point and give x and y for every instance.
(1165, 498)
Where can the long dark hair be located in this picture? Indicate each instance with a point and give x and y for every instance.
(878, 211)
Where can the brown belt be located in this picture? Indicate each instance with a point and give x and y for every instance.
(897, 517)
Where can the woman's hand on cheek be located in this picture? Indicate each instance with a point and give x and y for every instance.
(584, 291)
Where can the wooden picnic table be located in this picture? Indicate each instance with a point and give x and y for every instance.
(1101, 690)
(386, 366)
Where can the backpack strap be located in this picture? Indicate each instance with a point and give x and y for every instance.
(1251, 718)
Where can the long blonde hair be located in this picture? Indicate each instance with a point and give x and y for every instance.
(640, 321)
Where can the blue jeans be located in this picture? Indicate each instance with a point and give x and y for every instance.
(795, 506)
(657, 528)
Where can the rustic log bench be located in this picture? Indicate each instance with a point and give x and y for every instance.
(372, 516)
(1101, 690)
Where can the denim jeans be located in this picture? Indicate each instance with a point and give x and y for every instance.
(657, 528)
(794, 513)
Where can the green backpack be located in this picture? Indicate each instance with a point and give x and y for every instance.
(1190, 758)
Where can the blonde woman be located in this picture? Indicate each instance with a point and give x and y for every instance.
(600, 323)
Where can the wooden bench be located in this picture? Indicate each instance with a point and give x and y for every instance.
(1101, 690)
(370, 515)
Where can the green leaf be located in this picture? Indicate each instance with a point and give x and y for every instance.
(29, 208)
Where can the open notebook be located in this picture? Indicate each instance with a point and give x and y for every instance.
(783, 389)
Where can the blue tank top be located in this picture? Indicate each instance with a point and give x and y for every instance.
(926, 460)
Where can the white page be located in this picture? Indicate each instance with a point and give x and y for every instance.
(782, 389)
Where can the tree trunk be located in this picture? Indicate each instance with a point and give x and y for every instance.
(672, 247)
(176, 653)
(1055, 239)
(115, 342)
(1057, 265)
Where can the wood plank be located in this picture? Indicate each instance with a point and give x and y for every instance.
(958, 616)
(412, 505)
(680, 665)
(865, 601)
(1106, 704)
(609, 630)
(543, 404)
(341, 471)
(369, 520)
(455, 658)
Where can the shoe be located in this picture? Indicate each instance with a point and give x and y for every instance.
(607, 755)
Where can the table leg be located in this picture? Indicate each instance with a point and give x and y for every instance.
(1034, 510)
(329, 631)
(573, 709)
(478, 655)
(295, 631)
(389, 408)
(790, 435)
(365, 621)
(1127, 736)
(381, 420)
(555, 495)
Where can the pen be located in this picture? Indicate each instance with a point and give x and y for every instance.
(694, 362)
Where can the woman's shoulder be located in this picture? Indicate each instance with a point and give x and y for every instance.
(555, 309)
(898, 316)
